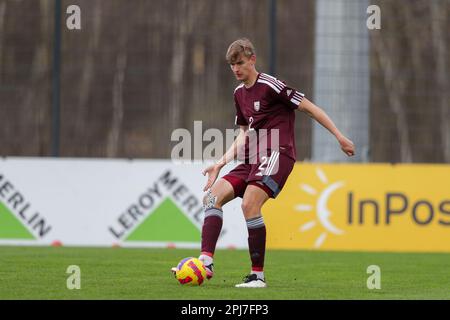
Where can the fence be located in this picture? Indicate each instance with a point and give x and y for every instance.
(137, 70)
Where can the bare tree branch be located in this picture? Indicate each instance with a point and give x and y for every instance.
(395, 87)
(439, 22)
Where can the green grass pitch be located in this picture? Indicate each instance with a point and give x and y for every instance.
(128, 273)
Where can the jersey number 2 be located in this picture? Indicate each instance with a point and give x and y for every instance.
(262, 166)
(250, 122)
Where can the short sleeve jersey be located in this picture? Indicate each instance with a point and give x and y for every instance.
(269, 104)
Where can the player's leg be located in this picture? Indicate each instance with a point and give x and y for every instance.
(220, 193)
(224, 190)
(263, 185)
(254, 198)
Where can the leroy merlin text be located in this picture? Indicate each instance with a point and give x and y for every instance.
(167, 184)
(17, 202)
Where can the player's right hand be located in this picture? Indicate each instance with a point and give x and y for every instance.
(347, 146)
(213, 173)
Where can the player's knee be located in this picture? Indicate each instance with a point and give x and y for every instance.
(248, 208)
(210, 200)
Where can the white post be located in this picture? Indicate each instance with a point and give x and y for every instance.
(342, 77)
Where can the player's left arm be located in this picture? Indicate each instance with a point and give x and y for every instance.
(320, 116)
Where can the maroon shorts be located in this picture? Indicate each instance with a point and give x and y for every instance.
(270, 174)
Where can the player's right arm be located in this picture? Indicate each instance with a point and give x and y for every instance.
(320, 116)
(231, 154)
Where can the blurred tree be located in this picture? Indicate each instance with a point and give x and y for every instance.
(139, 69)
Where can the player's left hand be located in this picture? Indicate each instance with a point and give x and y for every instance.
(212, 172)
(347, 146)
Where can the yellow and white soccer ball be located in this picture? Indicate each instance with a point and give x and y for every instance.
(190, 271)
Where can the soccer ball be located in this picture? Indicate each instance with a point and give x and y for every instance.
(190, 271)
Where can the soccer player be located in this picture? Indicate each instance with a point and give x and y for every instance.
(262, 103)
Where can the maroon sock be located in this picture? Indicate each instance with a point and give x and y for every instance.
(212, 225)
(257, 242)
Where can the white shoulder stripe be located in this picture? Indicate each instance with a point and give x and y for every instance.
(273, 79)
(295, 101)
(270, 84)
(269, 76)
(278, 84)
(239, 86)
(298, 95)
(274, 83)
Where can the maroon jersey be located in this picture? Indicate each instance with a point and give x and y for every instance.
(269, 104)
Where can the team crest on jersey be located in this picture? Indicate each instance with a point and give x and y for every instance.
(256, 105)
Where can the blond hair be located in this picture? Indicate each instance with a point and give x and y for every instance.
(241, 46)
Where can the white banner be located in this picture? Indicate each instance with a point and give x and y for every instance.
(93, 202)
